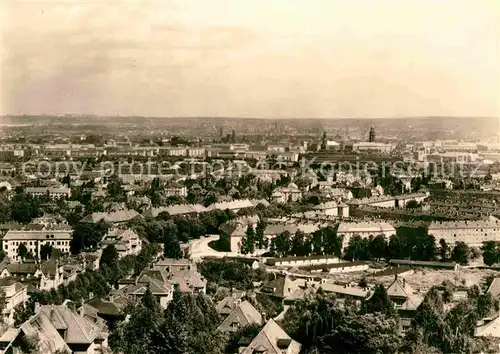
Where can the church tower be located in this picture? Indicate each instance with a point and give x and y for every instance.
(371, 137)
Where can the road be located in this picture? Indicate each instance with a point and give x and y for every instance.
(199, 248)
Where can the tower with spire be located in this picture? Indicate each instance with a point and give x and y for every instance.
(371, 136)
(323, 142)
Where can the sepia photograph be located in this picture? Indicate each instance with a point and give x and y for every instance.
(249, 176)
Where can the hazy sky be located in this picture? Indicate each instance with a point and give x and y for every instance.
(252, 58)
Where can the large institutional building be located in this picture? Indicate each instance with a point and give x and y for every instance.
(473, 233)
(34, 239)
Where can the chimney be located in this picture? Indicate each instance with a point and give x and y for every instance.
(264, 317)
(37, 306)
(81, 312)
(404, 282)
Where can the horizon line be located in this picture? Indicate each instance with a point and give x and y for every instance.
(69, 115)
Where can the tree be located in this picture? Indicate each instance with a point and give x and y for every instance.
(369, 333)
(87, 235)
(249, 331)
(3, 303)
(486, 304)
(109, 256)
(260, 239)
(171, 247)
(356, 249)
(282, 244)
(144, 322)
(379, 302)
(45, 251)
(332, 244)
(412, 204)
(491, 253)
(378, 247)
(24, 208)
(429, 316)
(115, 190)
(460, 253)
(23, 252)
(300, 245)
(444, 249)
(248, 241)
(308, 320)
(191, 327)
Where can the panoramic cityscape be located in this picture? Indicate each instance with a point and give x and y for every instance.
(250, 177)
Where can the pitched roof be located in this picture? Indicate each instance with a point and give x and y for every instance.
(113, 216)
(489, 328)
(179, 209)
(244, 314)
(79, 329)
(494, 288)
(345, 290)
(22, 268)
(365, 226)
(273, 339)
(399, 288)
(44, 234)
(105, 307)
(48, 337)
(282, 286)
(228, 304)
(235, 204)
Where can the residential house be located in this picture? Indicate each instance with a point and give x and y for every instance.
(291, 193)
(233, 231)
(242, 315)
(38, 327)
(272, 339)
(155, 281)
(345, 290)
(57, 328)
(54, 193)
(15, 294)
(333, 208)
(225, 306)
(279, 287)
(405, 300)
(126, 241)
(176, 190)
(170, 265)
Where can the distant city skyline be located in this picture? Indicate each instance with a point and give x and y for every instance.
(252, 59)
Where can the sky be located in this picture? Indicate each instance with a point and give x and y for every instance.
(251, 58)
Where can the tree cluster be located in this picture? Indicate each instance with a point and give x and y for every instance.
(321, 242)
(188, 325)
(449, 331)
(254, 239)
(324, 325)
(230, 273)
(491, 253)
